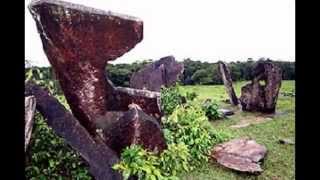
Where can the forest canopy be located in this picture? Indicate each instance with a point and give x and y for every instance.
(195, 72)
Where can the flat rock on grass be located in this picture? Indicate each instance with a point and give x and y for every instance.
(226, 112)
(286, 141)
(241, 154)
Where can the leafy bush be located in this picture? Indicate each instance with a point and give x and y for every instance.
(187, 125)
(43, 79)
(135, 161)
(174, 160)
(170, 99)
(48, 157)
(211, 110)
(191, 96)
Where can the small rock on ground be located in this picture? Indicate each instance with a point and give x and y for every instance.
(286, 141)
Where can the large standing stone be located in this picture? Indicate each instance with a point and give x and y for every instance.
(132, 127)
(29, 107)
(78, 42)
(241, 154)
(227, 81)
(164, 72)
(262, 93)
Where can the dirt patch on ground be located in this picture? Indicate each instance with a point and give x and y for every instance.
(249, 120)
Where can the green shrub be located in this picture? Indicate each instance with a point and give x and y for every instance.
(187, 125)
(48, 157)
(174, 160)
(211, 110)
(170, 99)
(40, 77)
(135, 161)
(191, 96)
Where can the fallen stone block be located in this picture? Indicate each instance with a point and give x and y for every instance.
(241, 154)
(286, 141)
(226, 112)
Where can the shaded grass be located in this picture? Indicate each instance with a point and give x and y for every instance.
(279, 162)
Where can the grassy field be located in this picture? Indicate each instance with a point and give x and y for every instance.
(279, 163)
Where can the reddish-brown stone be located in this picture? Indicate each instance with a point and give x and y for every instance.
(121, 98)
(241, 154)
(262, 93)
(164, 72)
(78, 42)
(132, 127)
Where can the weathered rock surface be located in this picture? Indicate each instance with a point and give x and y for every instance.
(98, 155)
(226, 112)
(78, 42)
(29, 110)
(262, 93)
(227, 81)
(164, 72)
(241, 154)
(133, 127)
(148, 101)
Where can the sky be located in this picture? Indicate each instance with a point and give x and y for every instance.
(206, 30)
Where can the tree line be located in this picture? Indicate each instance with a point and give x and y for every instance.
(195, 72)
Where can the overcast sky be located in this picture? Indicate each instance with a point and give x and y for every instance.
(207, 30)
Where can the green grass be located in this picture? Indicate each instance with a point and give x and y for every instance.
(279, 162)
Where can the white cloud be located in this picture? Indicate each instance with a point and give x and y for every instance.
(204, 29)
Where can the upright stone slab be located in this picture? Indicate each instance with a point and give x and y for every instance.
(262, 93)
(78, 42)
(29, 110)
(164, 72)
(227, 81)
